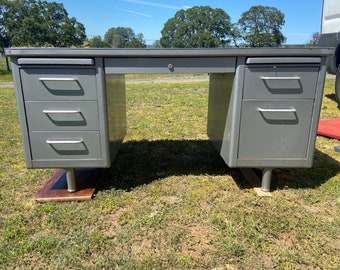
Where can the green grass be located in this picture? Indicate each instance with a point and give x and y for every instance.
(5, 76)
(168, 201)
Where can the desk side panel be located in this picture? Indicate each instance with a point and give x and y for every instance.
(21, 111)
(223, 114)
(224, 111)
(220, 86)
(116, 110)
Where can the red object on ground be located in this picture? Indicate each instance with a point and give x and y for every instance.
(330, 128)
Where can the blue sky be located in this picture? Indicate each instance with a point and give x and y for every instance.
(302, 17)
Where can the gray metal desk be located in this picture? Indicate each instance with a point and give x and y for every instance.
(263, 112)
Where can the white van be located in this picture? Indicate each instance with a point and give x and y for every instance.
(330, 37)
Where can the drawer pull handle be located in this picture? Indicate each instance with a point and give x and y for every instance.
(51, 141)
(61, 111)
(297, 78)
(58, 79)
(290, 110)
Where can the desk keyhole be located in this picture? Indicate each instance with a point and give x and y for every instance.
(171, 67)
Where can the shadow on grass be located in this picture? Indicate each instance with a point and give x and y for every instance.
(142, 162)
(331, 97)
(324, 167)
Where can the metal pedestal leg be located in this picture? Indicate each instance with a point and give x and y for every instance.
(71, 180)
(266, 179)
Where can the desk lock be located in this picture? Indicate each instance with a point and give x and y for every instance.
(171, 67)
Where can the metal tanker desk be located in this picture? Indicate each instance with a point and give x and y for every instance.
(263, 112)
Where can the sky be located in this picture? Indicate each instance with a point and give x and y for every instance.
(302, 17)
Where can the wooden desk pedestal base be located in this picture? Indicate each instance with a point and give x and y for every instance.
(56, 188)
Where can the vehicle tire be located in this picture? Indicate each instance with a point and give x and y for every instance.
(337, 86)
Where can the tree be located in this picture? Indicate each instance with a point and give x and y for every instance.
(137, 42)
(38, 23)
(156, 44)
(124, 37)
(260, 26)
(97, 42)
(197, 27)
(313, 42)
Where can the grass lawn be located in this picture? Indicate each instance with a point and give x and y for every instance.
(5, 76)
(169, 201)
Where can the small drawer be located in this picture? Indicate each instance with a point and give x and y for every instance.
(62, 115)
(280, 82)
(170, 65)
(59, 84)
(279, 129)
(65, 145)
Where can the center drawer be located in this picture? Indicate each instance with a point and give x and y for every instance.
(62, 115)
(170, 65)
(59, 84)
(280, 82)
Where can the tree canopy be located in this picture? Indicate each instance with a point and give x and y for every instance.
(260, 26)
(197, 27)
(42, 23)
(123, 37)
(97, 42)
(38, 23)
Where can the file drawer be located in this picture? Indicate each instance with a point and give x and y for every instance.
(59, 84)
(67, 145)
(62, 115)
(279, 129)
(280, 82)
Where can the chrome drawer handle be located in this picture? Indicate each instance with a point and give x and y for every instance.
(281, 78)
(58, 79)
(61, 111)
(291, 110)
(51, 141)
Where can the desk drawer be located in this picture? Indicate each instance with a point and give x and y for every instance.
(59, 84)
(170, 65)
(62, 115)
(65, 145)
(280, 82)
(279, 129)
